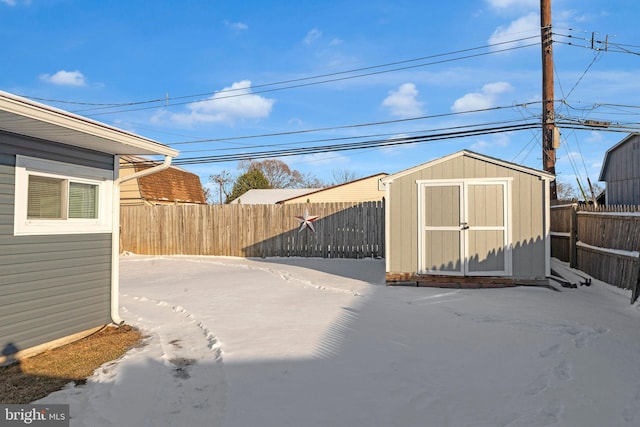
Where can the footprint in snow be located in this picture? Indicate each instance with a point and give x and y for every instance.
(562, 371)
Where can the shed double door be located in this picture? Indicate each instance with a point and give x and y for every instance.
(464, 228)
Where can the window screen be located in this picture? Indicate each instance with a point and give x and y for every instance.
(83, 200)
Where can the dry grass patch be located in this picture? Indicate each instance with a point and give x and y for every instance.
(36, 377)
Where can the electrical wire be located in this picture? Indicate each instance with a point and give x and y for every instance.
(377, 143)
(251, 88)
(353, 126)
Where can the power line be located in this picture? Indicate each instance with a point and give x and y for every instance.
(344, 138)
(377, 143)
(352, 126)
(167, 99)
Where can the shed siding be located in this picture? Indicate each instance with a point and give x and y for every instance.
(623, 173)
(527, 225)
(50, 286)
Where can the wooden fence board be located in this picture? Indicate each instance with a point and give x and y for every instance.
(343, 230)
(605, 240)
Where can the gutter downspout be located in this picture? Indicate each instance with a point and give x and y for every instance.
(115, 237)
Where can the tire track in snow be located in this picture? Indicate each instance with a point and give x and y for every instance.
(285, 275)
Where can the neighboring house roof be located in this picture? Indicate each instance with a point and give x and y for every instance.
(362, 191)
(174, 184)
(270, 196)
(607, 155)
(25, 117)
(515, 166)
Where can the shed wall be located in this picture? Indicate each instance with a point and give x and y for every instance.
(623, 173)
(527, 212)
(50, 286)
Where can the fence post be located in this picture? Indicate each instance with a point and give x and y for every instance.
(573, 238)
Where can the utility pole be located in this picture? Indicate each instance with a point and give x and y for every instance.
(548, 112)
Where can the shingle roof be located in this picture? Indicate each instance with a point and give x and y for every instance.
(172, 184)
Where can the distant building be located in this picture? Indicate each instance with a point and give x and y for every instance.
(270, 196)
(621, 172)
(360, 190)
(173, 186)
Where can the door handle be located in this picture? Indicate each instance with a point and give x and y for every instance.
(464, 226)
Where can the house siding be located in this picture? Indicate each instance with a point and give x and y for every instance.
(364, 190)
(527, 227)
(50, 286)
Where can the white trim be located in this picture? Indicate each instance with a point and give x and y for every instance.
(422, 228)
(506, 228)
(115, 236)
(26, 166)
(547, 228)
(559, 234)
(41, 113)
(387, 228)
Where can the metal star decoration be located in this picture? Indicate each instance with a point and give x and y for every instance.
(307, 221)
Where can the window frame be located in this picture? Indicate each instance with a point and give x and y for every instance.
(102, 178)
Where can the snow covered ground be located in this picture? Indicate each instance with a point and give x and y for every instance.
(319, 343)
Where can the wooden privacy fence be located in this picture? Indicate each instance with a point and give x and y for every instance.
(604, 242)
(342, 230)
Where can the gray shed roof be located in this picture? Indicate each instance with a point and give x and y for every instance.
(514, 166)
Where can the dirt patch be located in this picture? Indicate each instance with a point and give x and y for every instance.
(36, 377)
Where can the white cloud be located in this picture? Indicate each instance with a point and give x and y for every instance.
(511, 4)
(526, 26)
(403, 102)
(65, 78)
(312, 36)
(495, 142)
(8, 2)
(230, 104)
(238, 26)
(486, 98)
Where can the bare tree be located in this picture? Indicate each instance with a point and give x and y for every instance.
(566, 191)
(341, 176)
(279, 174)
(224, 180)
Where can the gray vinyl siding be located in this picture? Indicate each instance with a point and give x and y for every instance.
(623, 173)
(51, 286)
(527, 214)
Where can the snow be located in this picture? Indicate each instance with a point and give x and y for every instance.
(630, 254)
(323, 342)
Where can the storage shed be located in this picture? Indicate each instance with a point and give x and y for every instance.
(59, 215)
(467, 218)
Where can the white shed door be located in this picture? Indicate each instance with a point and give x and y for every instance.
(464, 228)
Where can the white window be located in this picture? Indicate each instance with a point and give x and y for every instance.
(61, 198)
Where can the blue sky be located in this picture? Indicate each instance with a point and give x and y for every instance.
(227, 73)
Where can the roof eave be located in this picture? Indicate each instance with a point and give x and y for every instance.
(542, 174)
(29, 115)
